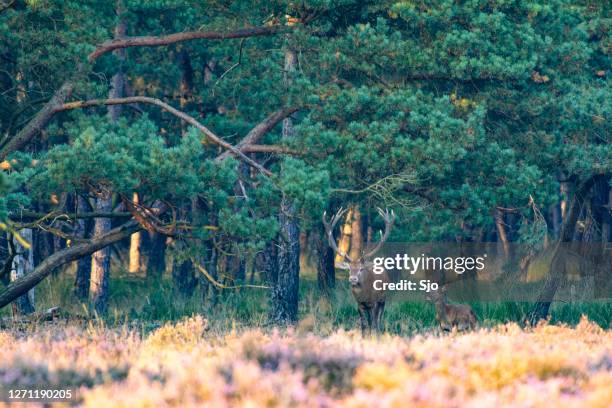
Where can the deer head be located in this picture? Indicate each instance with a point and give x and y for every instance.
(357, 267)
(436, 296)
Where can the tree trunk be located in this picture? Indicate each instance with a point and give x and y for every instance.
(183, 271)
(135, 246)
(285, 291)
(211, 267)
(83, 267)
(186, 84)
(183, 277)
(356, 234)
(501, 232)
(23, 264)
(556, 273)
(564, 192)
(156, 262)
(6, 257)
(100, 261)
(606, 225)
(556, 221)
(326, 272)
(269, 263)
(346, 231)
(238, 262)
(603, 284)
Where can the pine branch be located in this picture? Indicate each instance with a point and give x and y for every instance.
(42, 118)
(179, 114)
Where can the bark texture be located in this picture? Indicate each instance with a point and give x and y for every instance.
(284, 308)
(135, 246)
(23, 264)
(83, 271)
(100, 261)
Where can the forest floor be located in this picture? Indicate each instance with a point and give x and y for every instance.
(191, 363)
(150, 303)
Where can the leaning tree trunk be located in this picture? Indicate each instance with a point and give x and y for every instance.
(284, 307)
(22, 285)
(100, 261)
(23, 264)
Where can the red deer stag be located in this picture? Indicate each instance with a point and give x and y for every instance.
(370, 302)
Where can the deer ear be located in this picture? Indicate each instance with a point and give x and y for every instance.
(342, 265)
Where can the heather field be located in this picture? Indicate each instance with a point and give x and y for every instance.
(189, 364)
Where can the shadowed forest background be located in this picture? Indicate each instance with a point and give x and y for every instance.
(167, 158)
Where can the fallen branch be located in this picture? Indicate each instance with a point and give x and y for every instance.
(220, 285)
(59, 258)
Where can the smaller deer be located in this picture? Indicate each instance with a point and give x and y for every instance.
(370, 302)
(461, 317)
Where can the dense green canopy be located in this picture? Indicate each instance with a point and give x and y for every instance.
(444, 110)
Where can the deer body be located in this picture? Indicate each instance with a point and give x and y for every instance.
(370, 302)
(461, 317)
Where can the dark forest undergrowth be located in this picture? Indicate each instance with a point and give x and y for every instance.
(137, 301)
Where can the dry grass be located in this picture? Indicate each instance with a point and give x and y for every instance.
(186, 364)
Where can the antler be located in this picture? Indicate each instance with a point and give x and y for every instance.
(389, 218)
(329, 230)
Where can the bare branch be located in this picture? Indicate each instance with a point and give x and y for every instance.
(276, 149)
(261, 129)
(153, 41)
